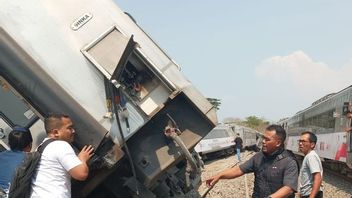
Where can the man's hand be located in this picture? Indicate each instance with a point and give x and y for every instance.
(212, 181)
(81, 171)
(86, 153)
(284, 191)
(230, 173)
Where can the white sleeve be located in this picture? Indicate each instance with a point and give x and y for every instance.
(67, 156)
(314, 164)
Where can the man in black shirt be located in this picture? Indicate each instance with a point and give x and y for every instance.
(275, 169)
(238, 145)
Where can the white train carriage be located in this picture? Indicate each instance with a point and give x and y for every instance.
(220, 141)
(326, 118)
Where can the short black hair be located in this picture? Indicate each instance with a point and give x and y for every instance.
(312, 137)
(280, 131)
(54, 121)
(20, 138)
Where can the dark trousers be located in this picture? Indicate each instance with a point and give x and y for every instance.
(319, 195)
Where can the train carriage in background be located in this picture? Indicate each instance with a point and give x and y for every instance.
(220, 140)
(326, 118)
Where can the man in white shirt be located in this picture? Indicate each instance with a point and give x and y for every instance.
(59, 162)
(311, 173)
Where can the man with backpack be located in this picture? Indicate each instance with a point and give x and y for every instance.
(20, 141)
(58, 160)
(275, 169)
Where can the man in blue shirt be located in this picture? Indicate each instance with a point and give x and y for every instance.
(20, 141)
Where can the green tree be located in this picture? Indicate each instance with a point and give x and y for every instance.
(256, 123)
(233, 120)
(252, 121)
(215, 102)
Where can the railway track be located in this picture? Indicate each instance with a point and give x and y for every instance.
(326, 169)
(246, 156)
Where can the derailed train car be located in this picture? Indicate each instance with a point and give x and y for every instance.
(126, 96)
(326, 118)
(220, 140)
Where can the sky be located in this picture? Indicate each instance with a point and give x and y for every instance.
(269, 58)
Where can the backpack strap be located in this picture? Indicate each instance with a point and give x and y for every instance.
(41, 147)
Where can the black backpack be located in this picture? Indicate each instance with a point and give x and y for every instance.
(22, 180)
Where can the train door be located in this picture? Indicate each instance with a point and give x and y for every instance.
(347, 111)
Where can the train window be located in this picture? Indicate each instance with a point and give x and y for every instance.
(347, 108)
(12, 108)
(217, 133)
(323, 121)
(11, 111)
